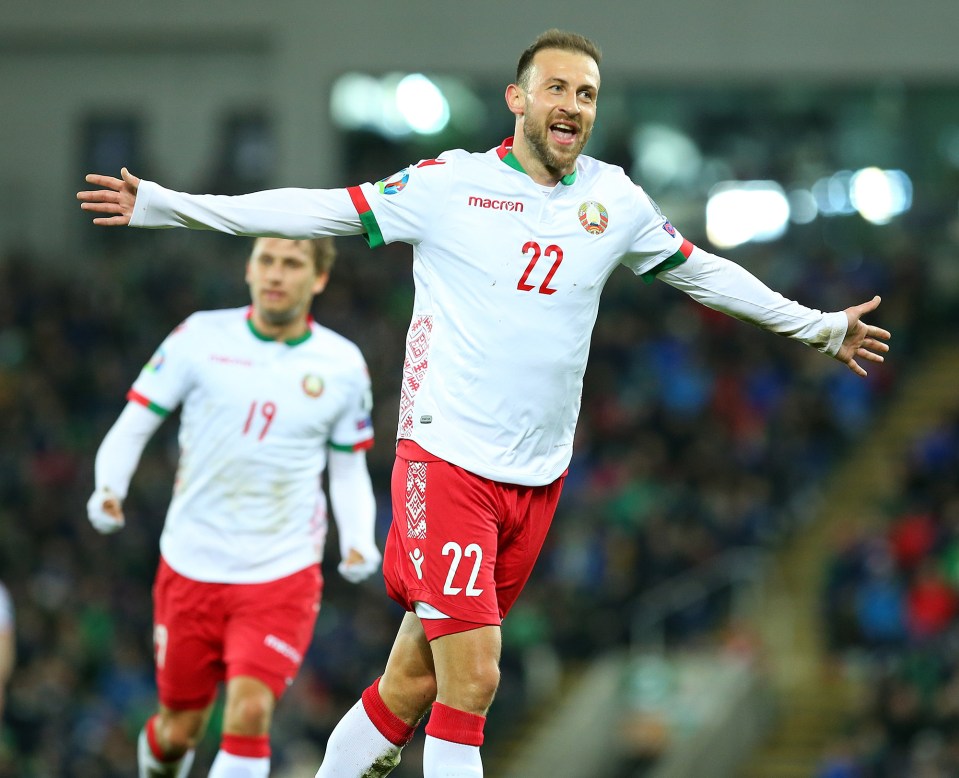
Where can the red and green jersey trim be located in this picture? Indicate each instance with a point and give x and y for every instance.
(670, 262)
(373, 235)
(363, 445)
(134, 396)
(505, 152)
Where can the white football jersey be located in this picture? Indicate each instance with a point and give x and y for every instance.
(508, 276)
(257, 418)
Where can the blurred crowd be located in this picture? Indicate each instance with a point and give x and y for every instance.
(891, 603)
(698, 434)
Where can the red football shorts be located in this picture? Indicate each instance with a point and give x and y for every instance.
(204, 633)
(462, 543)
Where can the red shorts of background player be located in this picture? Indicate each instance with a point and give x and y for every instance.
(463, 544)
(204, 633)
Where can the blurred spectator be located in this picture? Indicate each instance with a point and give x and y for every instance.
(8, 649)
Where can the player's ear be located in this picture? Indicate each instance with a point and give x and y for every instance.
(320, 283)
(249, 270)
(516, 99)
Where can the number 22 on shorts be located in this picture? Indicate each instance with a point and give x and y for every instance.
(458, 553)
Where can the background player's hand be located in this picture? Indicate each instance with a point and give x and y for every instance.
(862, 340)
(358, 567)
(105, 511)
(116, 197)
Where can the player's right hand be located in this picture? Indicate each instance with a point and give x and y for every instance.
(105, 511)
(115, 198)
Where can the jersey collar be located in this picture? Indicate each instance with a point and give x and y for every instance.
(505, 153)
(264, 337)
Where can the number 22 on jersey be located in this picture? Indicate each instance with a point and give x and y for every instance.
(550, 253)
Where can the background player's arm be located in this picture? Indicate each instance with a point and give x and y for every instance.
(354, 510)
(728, 287)
(116, 461)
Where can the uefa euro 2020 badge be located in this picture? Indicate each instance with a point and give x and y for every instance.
(394, 184)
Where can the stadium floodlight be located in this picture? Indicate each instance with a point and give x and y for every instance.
(746, 211)
(395, 105)
(880, 195)
(422, 104)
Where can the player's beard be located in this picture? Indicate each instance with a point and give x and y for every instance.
(556, 162)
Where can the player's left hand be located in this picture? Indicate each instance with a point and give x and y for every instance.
(358, 567)
(862, 340)
(105, 511)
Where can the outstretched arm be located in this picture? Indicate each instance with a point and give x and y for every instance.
(291, 213)
(725, 286)
(115, 197)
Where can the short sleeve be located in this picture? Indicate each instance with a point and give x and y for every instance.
(165, 380)
(353, 429)
(404, 206)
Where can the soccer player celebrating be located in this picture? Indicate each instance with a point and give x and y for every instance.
(270, 398)
(511, 249)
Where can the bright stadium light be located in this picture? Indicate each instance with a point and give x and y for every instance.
(832, 194)
(395, 105)
(802, 206)
(422, 104)
(880, 195)
(355, 101)
(663, 156)
(746, 211)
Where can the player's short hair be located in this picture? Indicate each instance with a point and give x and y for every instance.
(324, 254)
(322, 249)
(554, 39)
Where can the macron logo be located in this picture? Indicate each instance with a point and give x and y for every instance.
(496, 205)
(282, 647)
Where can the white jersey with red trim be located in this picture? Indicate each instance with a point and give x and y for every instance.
(508, 276)
(257, 418)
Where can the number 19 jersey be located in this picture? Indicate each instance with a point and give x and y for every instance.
(257, 418)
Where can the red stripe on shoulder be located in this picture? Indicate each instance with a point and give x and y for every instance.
(687, 248)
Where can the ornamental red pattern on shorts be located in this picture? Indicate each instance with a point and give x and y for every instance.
(414, 368)
(416, 500)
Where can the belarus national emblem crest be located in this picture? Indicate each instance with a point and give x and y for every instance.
(594, 217)
(312, 385)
